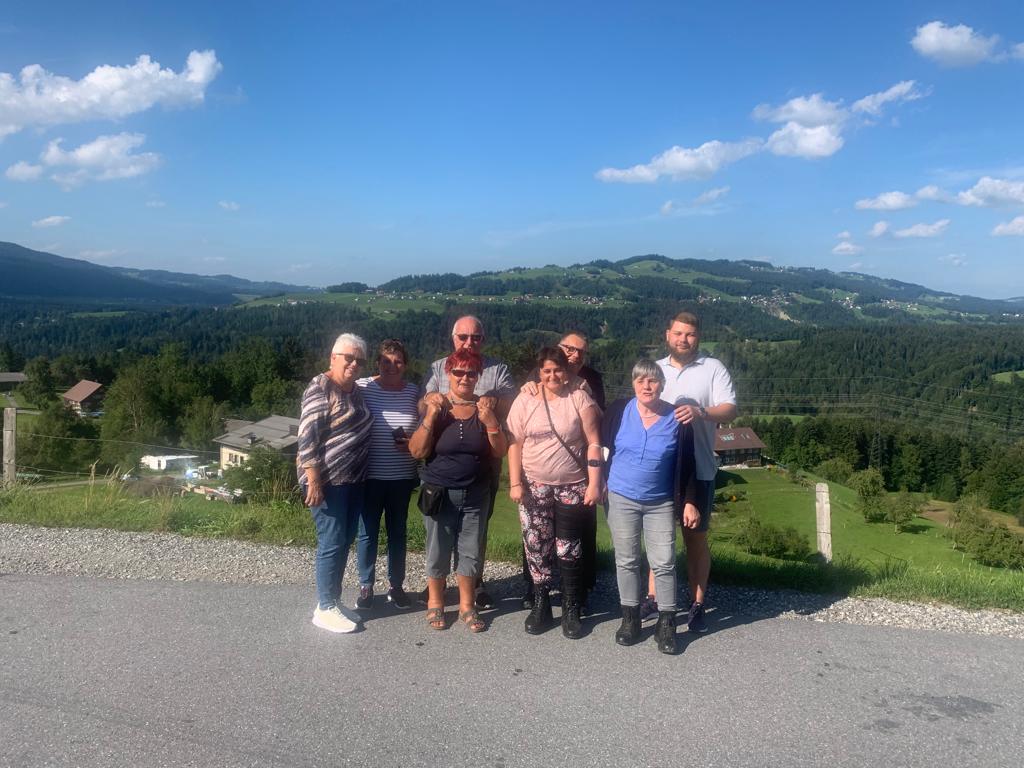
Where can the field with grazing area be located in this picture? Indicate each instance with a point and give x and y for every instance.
(1005, 377)
(870, 558)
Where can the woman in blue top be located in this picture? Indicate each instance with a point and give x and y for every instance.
(649, 471)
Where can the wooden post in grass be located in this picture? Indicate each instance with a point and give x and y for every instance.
(824, 528)
(10, 431)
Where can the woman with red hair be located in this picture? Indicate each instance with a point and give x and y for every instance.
(458, 438)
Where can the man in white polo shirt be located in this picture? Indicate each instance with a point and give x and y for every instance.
(701, 390)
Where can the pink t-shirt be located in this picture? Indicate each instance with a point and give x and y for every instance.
(545, 460)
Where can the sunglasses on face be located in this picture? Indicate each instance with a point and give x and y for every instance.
(571, 350)
(349, 359)
(474, 337)
(466, 374)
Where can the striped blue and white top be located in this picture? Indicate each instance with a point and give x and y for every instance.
(391, 409)
(334, 433)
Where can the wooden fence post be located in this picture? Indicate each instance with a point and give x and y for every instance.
(824, 527)
(10, 433)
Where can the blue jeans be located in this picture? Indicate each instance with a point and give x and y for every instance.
(392, 498)
(336, 522)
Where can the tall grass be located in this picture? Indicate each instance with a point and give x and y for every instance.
(111, 505)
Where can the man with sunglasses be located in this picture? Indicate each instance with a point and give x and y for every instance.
(494, 382)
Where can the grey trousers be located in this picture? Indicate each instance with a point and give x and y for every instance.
(460, 528)
(626, 520)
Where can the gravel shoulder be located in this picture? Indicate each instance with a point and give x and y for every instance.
(165, 556)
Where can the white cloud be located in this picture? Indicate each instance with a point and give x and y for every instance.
(958, 46)
(954, 259)
(102, 159)
(844, 235)
(155, 204)
(1015, 227)
(902, 91)
(1018, 51)
(215, 259)
(39, 98)
(934, 193)
(806, 111)
(923, 230)
(846, 248)
(684, 163)
(857, 265)
(879, 228)
(992, 193)
(887, 201)
(795, 140)
(3, 203)
(229, 205)
(22, 171)
(51, 221)
(711, 196)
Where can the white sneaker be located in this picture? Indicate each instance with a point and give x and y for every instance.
(333, 620)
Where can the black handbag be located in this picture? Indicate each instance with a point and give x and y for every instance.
(431, 498)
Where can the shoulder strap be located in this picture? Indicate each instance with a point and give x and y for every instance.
(554, 431)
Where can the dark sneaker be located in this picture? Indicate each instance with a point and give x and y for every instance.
(483, 599)
(365, 599)
(398, 598)
(695, 621)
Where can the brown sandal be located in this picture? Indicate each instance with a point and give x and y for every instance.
(435, 618)
(472, 620)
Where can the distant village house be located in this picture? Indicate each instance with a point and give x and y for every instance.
(84, 397)
(10, 379)
(168, 463)
(279, 433)
(738, 447)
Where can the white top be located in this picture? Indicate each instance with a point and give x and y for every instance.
(390, 409)
(707, 383)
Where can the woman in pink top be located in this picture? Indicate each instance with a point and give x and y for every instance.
(554, 463)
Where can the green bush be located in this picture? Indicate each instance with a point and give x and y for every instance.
(759, 538)
(835, 470)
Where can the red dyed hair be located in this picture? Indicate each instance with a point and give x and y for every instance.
(464, 360)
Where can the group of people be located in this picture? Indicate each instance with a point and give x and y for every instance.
(365, 444)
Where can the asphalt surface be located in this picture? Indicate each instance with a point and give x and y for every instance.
(97, 672)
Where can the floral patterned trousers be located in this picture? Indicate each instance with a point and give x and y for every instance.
(551, 531)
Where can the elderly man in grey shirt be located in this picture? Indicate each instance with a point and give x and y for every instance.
(495, 381)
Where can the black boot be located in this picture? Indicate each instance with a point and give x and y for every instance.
(528, 598)
(540, 617)
(571, 626)
(629, 631)
(665, 632)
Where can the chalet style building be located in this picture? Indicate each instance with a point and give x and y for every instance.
(738, 447)
(279, 433)
(83, 398)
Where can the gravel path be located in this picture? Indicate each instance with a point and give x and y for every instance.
(131, 555)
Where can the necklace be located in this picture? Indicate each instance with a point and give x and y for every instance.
(455, 401)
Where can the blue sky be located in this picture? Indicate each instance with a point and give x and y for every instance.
(361, 141)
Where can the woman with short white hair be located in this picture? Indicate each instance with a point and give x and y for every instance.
(332, 460)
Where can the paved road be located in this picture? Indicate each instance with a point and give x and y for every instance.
(98, 672)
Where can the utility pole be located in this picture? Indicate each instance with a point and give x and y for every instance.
(10, 434)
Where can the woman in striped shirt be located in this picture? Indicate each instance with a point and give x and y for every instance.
(333, 449)
(392, 474)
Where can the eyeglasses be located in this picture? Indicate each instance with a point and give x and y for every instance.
(465, 374)
(474, 337)
(349, 359)
(571, 350)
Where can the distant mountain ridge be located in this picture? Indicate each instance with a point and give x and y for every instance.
(27, 274)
